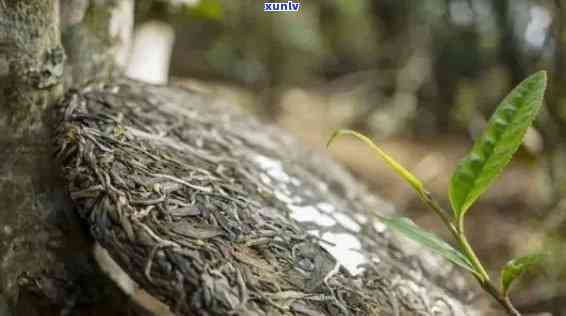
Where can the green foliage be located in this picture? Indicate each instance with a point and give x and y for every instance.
(503, 135)
(410, 230)
(472, 177)
(515, 268)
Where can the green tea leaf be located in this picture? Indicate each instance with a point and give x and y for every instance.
(408, 229)
(515, 268)
(493, 150)
(415, 183)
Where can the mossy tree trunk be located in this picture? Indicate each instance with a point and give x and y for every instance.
(46, 259)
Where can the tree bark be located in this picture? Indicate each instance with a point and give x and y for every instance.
(46, 256)
(97, 37)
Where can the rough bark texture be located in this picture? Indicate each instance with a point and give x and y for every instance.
(46, 266)
(199, 204)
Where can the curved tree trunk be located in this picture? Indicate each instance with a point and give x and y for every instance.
(46, 263)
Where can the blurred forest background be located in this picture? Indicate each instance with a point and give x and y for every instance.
(419, 77)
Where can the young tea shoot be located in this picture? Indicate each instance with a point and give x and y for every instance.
(473, 176)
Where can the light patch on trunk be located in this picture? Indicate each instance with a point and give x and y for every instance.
(121, 27)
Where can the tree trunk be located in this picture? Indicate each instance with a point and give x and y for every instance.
(96, 36)
(46, 259)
